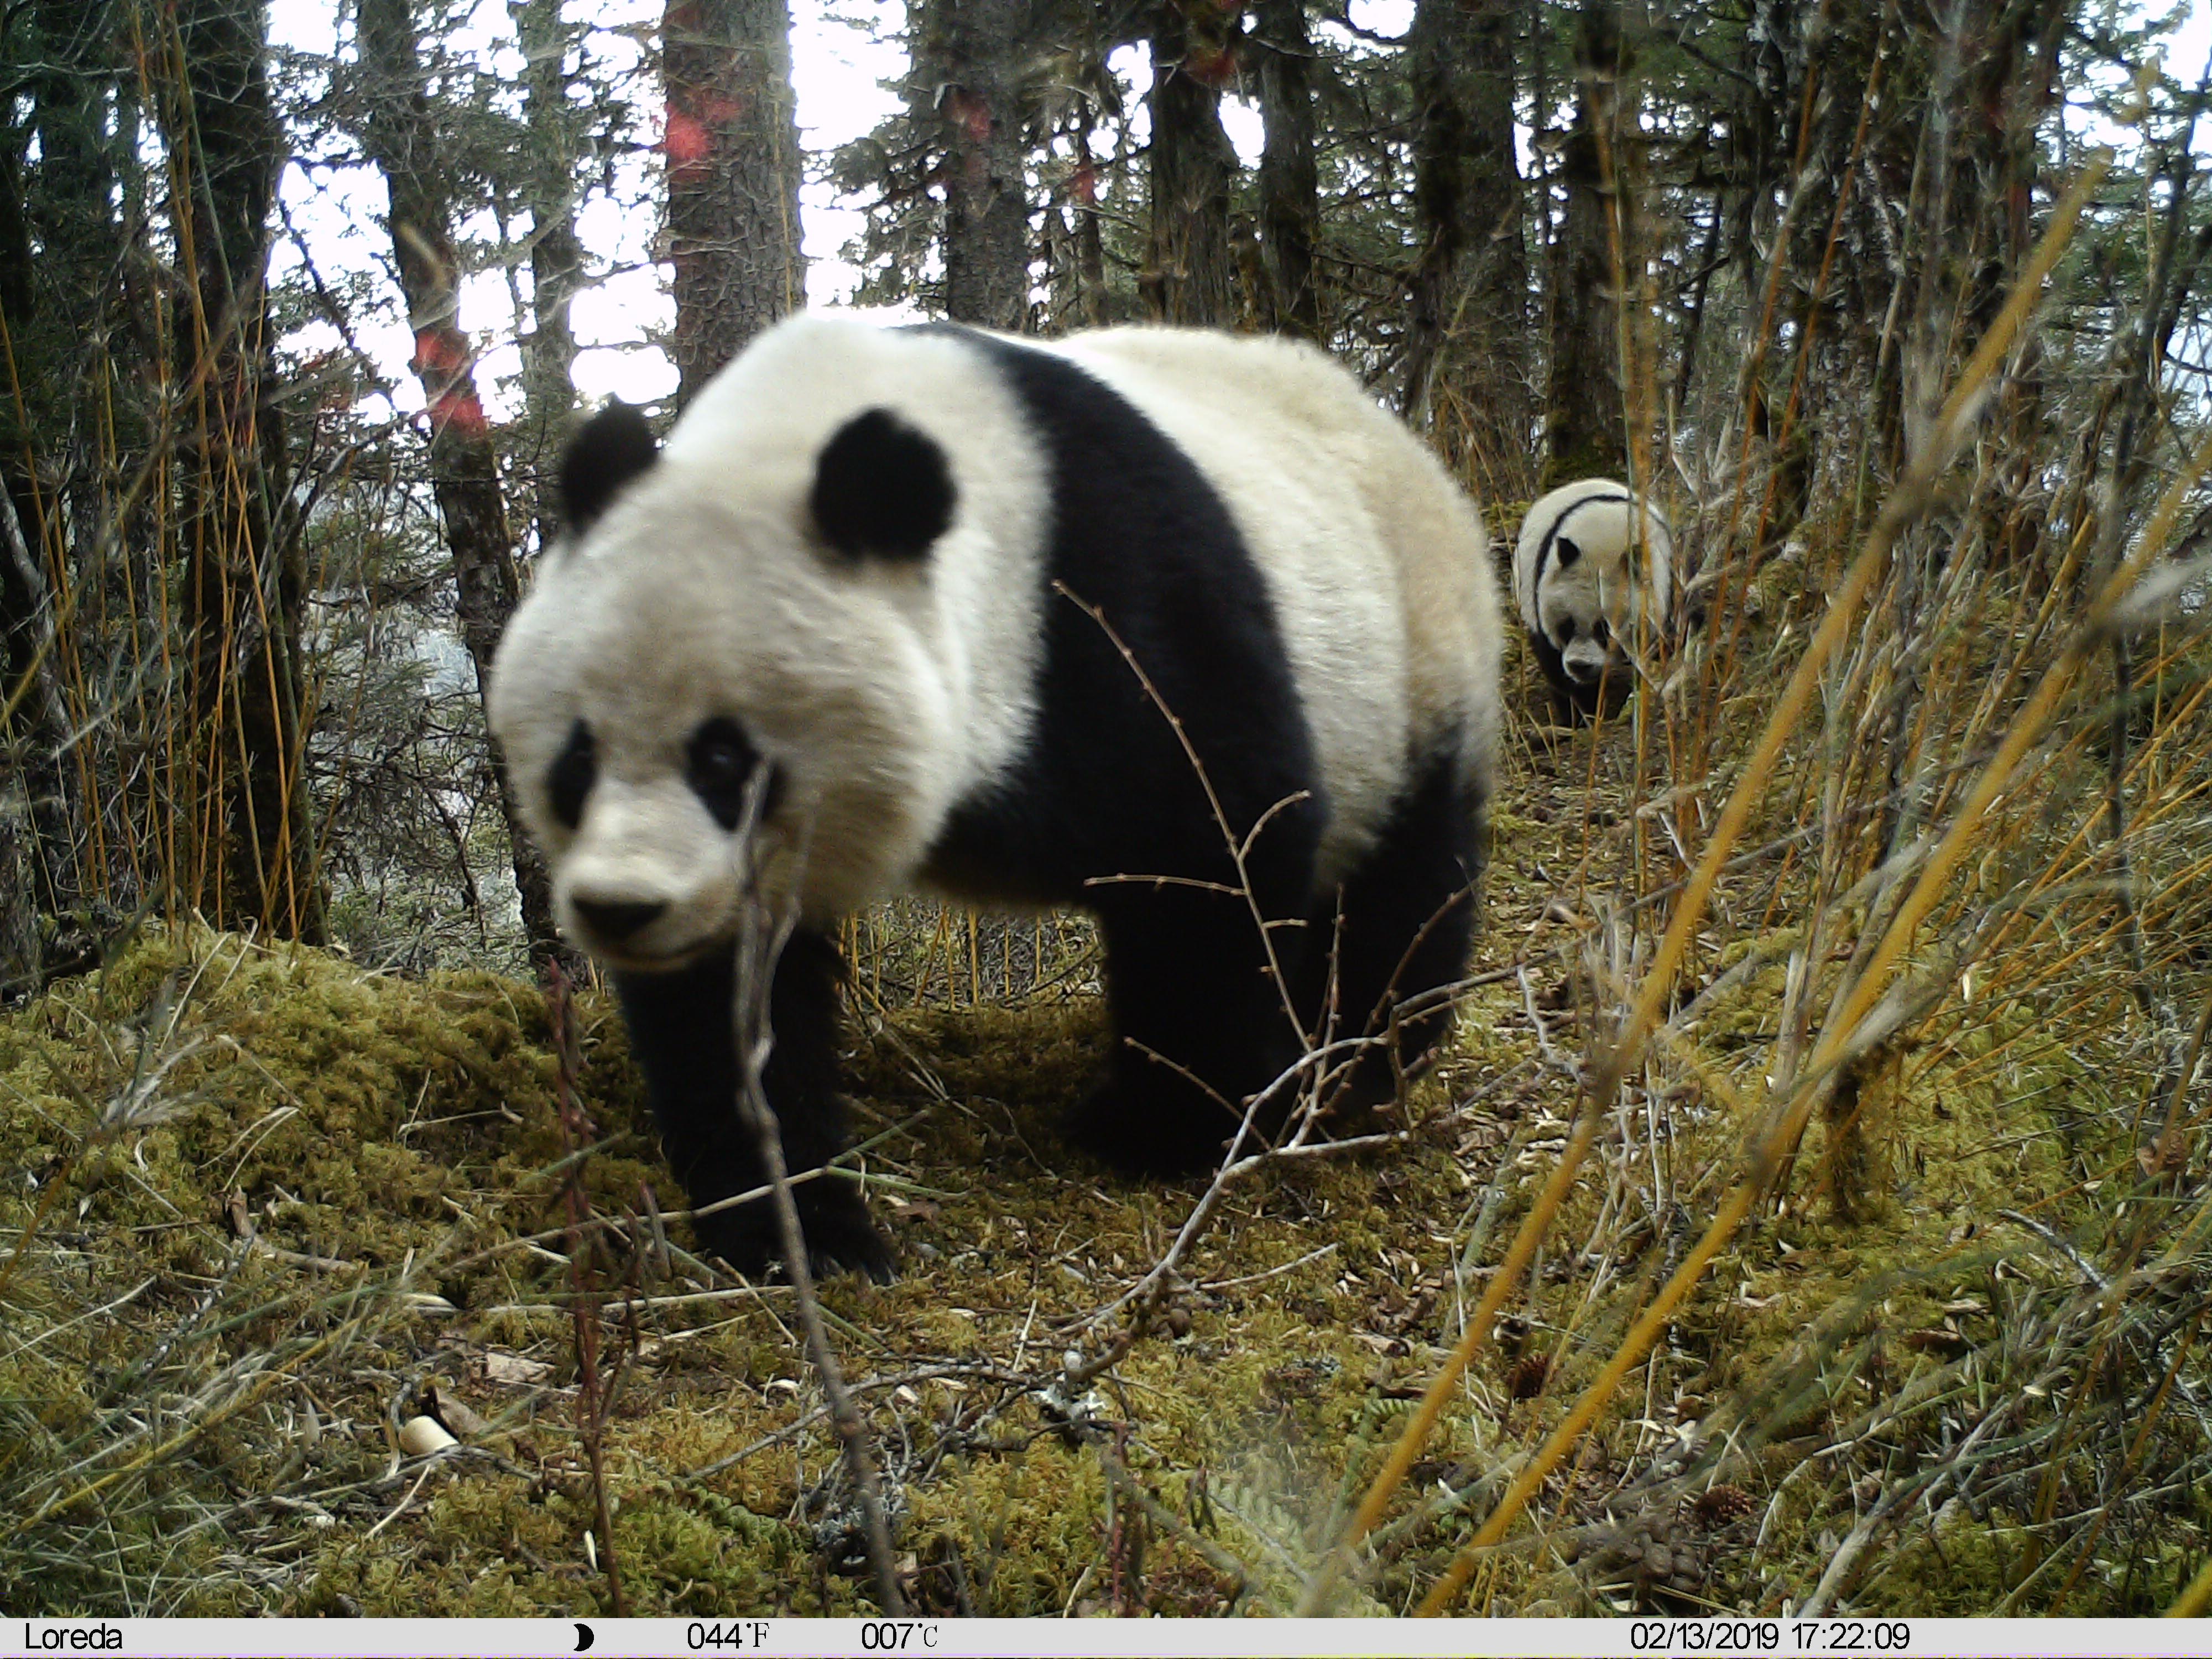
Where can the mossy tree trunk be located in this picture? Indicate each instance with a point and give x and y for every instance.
(1585, 435)
(1290, 190)
(556, 253)
(65, 160)
(971, 51)
(38, 805)
(1465, 365)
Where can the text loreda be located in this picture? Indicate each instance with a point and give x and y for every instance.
(73, 1639)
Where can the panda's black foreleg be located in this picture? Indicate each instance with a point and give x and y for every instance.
(1402, 930)
(683, 1033)
(1200, 1026)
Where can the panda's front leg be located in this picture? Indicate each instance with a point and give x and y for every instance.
(1200, 1026)
(683, 1034)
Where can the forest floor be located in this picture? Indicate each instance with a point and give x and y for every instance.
(262, 1211)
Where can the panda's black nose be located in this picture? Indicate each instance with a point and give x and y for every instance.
(615, 920)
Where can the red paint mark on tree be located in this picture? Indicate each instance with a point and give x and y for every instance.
(697, 124)
(458, 407)
(441, 362)
(685, 140)
(438, 351)
(719, 109)
(970, 113)
(1212, 66)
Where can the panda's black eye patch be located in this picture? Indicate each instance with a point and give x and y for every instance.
(717, 764)
(1601, 632)
(1566, 550)
(572, 775)
(1566, 630)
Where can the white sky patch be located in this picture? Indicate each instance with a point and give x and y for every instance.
(2193, 42)
(1241, 120)
(1390, 17)
(1132, 67)
(843, 78)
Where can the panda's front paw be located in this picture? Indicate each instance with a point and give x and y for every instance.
(840, 1236)
(833, 1219)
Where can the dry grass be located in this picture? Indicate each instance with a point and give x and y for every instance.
(263, 1206)
(1946, 1364)
(1812, 1212)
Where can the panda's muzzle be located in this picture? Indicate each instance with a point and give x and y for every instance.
(1587, 656)
(614, 921)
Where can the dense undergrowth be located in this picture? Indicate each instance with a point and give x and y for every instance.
(261, 1210)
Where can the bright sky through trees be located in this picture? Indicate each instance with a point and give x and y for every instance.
(842, 60)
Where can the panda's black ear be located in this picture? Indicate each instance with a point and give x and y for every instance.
(1565, 551)
(881, 490)
(609, 450)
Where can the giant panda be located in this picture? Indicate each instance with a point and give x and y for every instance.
(1586, 579)
(868, 560)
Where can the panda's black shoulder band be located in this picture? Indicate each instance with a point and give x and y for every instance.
(608, 451)
(1552, 538)
(882, 489)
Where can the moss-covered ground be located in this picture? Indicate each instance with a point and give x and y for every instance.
(259, 1210)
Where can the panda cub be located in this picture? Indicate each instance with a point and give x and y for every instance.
(867, 561)
(1579, 571)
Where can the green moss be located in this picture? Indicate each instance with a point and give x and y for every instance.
(394, 1139)
(1024, 1527)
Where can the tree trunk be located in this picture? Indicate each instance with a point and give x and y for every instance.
(402, 140)
(971, 48)
(1193, 277)
(2013, 52)
(58, 185)
(1693, 304)
(732, 150)
(1585, 433)
(246, 583)
(1465, 368)
(23, 893)
(557, 256)
(40, 807)
(1089, 244)
(1290, 192)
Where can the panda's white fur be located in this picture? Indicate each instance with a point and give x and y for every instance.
(935, 710)
(887, 697)
(1589, 572)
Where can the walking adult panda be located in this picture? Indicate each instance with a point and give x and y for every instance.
(868, 560)
(1579, 576)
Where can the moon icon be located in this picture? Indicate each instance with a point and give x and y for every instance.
(583, 1637)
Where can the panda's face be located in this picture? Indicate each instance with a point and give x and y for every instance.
(695, 645)
(659, 874)
(1587, 603)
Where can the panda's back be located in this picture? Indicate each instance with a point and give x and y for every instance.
(1270, 541)
(1375, 562)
